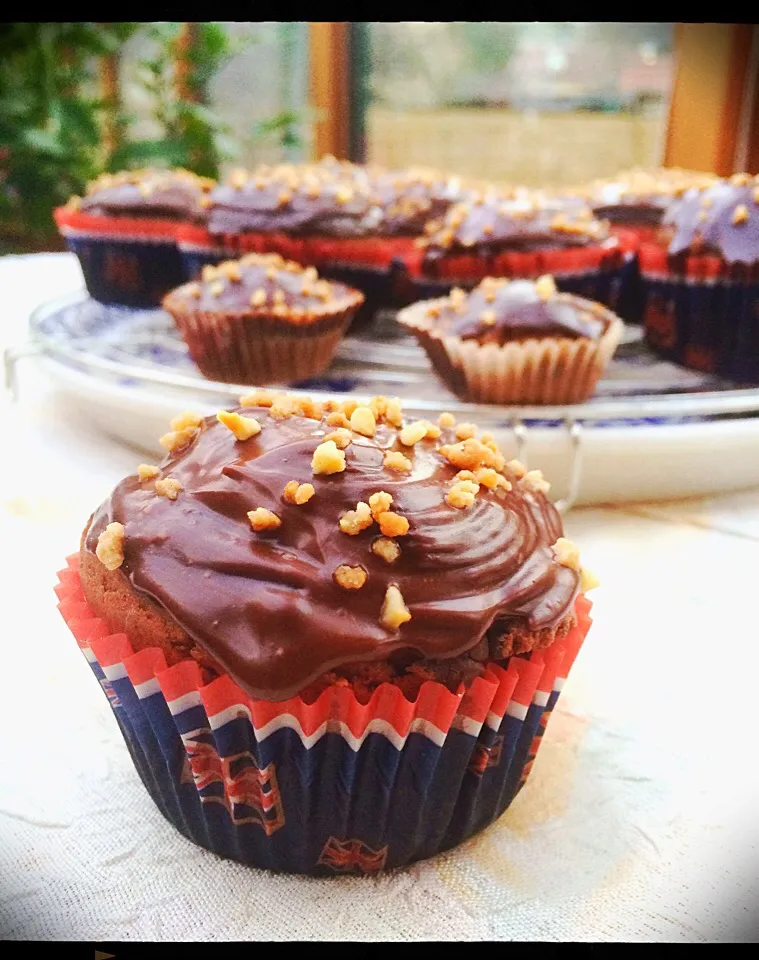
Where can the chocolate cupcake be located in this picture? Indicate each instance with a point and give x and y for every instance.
(639, 199)
(262, 319)
(702, 280)
(516, 342)
(332, 639)
(520, 235)
(124, 232)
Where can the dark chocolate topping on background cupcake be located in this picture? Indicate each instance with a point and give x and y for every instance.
(287, 545)
(268, 284)
(522, 221)
(721, 219)
(168, 194)
(500, 311)
(327, 198)
(410, 199)
(642, 196)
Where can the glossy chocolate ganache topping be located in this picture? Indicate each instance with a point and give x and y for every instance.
(501, 311)
(168, 194)
(288, 538)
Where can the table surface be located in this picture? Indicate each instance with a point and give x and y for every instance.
(638, 822)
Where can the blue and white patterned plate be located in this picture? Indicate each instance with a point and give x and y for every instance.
(139, 346)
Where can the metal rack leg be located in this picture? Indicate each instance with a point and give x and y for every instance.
(575, 466)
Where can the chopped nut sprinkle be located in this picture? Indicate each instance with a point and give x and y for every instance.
(110, 548)
(337, 419)
(216, 288)
(348, 406)
(470, 454)
(169, 487)
(186, 419)
(465, 430)
(354, 521)
(462, 494)
(258, 297)
(178, 439)
(566, 554)
(446, 420)
(465, 475)
(394, 610)
(350, 578)
(231, 270)
(488, 477)
(392, 524)
(588, 580)
(432, 432)
(488, 318)
(208, 273)
(193, 290)
(146, 471)
(387, 549)
(259, 398)
(263, 519)
(328, 459)
(394, 412)
(298, 493)
(379, 503)
(517, 468)
(242, 427)
(533, 481)
(378, 406)
(395, 460)
(283, 407)
(279, 297)
(413, 433)
(545, 287)
(362, 421)
(341, 436)
(740, 214)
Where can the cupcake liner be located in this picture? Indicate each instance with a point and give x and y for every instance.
(705, 316)
(549, 370)
(125, 261)
(333, 786)
(248, 348)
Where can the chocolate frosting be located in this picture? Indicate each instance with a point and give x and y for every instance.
(522, 221)
(722, 219)
(168, 194)
(410, 199)
(264, 283)
(265, 605)
(500, 311)
(642, 197)
(328, 198)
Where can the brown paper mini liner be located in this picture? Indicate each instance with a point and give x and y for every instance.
(254, 348)
(549, 370)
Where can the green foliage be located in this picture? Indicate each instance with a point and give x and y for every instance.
(49, 118)
(52, 114)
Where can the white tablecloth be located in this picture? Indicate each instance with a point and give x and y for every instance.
(639, 821)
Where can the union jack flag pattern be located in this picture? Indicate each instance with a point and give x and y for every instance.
(333, 786)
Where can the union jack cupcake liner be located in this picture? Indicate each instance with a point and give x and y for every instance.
(333, 786)
(130, 262)
(706, 319)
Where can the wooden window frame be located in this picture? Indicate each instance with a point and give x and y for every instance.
(713, 121)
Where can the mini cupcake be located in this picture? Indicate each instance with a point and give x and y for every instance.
(520, 235)
(332, 640)
(516, 342)
(124, 232)
(262, 319)
(702, 281)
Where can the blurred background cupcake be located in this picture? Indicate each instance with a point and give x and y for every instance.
(514, 342)
(701, 280)
(262, 319)
(519, 234)
(124, 232)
